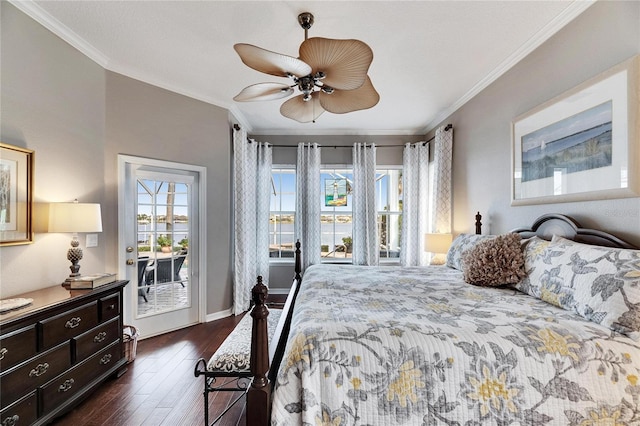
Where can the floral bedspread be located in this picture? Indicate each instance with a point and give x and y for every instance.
(390, 345)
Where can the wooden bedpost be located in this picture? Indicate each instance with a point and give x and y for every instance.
(478, 223)
(259, 394)
(298, 267)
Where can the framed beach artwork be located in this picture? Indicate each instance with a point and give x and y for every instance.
(16, 195)
(335, 192)
(582, 145)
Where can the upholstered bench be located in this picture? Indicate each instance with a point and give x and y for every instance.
(230, 364)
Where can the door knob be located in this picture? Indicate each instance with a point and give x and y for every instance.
(129, 261)
(129, 249)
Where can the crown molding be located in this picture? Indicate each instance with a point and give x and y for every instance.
(38, 14)
(568, 14)
(334, 132)
(236, 115)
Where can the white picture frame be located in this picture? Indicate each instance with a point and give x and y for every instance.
(581, 145)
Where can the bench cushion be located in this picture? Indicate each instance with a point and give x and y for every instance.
(234, 355)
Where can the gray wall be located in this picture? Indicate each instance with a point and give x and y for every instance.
(52, 102)
(604, 35)
(388, 153)
(146, 121)
(77, 117)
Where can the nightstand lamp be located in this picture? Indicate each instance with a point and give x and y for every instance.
(74, 217)
(439, 245)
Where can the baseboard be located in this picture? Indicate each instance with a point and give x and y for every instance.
(218, 315)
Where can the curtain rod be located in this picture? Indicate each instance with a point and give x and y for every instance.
(446, 129)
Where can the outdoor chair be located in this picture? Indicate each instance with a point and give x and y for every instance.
(142, 267)
(163, 273)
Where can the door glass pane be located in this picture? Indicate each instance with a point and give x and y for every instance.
(163, 230)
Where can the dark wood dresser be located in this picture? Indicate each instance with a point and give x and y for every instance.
(56, 350)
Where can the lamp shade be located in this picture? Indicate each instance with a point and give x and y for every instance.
(75, 217)
(437, 243)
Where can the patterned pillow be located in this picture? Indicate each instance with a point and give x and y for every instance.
(494, 262)
(462, 243)
(234, 354)
(538, 282)
(601, 284)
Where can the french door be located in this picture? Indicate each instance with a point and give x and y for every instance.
(160, 251)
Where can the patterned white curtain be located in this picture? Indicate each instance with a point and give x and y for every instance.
(307, 221)
(365, 235)
(251, 179)
(441, 187)
(415, 204)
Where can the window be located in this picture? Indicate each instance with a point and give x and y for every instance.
(282, 212)
(336, 219)
(389, 207)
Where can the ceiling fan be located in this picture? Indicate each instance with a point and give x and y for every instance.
(330, 74)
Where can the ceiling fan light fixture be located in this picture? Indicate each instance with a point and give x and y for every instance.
(330, 74)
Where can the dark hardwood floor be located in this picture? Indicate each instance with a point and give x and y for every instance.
(159, 387)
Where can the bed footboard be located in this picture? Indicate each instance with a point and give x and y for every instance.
(265, 355)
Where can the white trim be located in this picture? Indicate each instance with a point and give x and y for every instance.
(124, 159)
(38, 14)
(219, 315)
(336, 132)
(567, 15)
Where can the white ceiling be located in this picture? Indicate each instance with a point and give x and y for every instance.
(430, 57)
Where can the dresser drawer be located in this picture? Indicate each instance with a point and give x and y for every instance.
(109, 307)
(70, 382)
(96, 339)
(23, 412)
(31, 374)
(69, 324)
(17, 346)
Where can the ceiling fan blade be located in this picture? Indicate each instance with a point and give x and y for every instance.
(343, 101)
(263, 92)
(270, 62)
(345, 62)
(301, 111)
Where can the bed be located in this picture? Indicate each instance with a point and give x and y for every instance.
(392, 345)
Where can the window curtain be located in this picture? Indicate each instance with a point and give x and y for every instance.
(307, 221)
(365, 235)
(415, 204)
(252, 179)
(441, 187)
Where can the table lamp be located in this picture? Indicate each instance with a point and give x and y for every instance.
(74, 217)
(439, 245)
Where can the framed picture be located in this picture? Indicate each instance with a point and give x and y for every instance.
(335, 192)
(582, 145)
(16, 195)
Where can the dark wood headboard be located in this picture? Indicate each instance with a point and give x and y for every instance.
(557, 224)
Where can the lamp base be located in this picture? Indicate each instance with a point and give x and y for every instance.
(74, 254)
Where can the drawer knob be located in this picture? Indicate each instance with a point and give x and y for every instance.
(68, 384)
(105, 359)
(111, 307)
(99, 338)
(39, 370)
(11, 421)
(3, 352)
(73, 322)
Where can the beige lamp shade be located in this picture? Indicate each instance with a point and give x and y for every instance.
(437, 243)
(75, 217)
